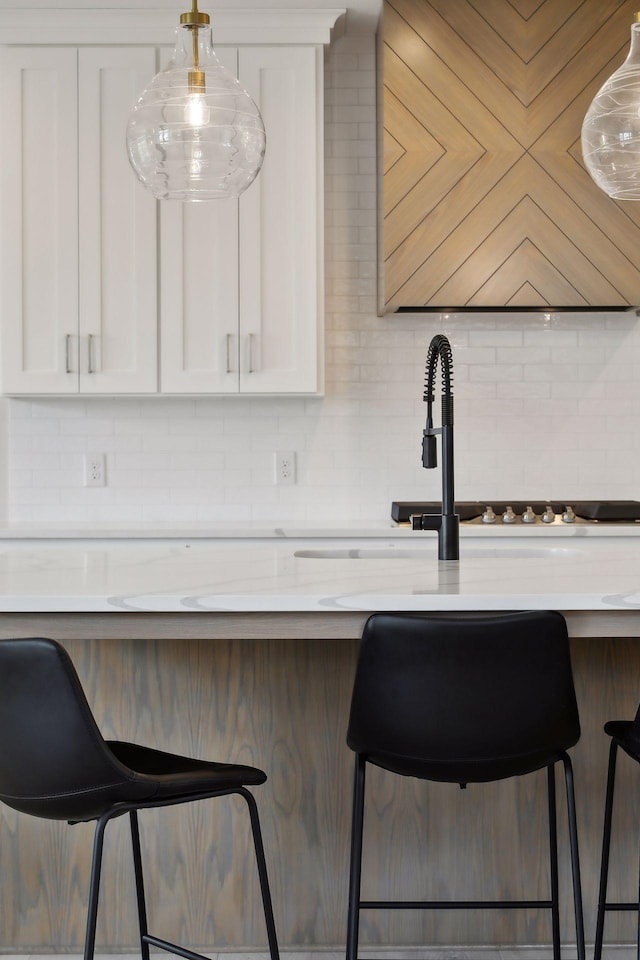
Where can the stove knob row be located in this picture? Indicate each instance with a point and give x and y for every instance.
(528, 516)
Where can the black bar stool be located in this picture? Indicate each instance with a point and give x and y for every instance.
(55, 764)
(624, 734)
(465, 699)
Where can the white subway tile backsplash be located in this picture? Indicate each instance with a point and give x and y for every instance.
(546, 404)
(487, 372)
(528, 390)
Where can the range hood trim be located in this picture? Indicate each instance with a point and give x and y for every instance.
(618, 308)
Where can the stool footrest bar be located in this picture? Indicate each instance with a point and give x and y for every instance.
(172, 948)
(622, 906)
(453, 905)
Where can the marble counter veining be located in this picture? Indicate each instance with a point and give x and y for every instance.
(576, 572)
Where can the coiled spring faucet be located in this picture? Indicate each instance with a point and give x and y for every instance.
(447, 523)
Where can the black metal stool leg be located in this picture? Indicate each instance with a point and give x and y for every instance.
(137, 867)
(262, 873)
(606, 845)
(353, 918)
(575, 859)
(553, 860)
(638, 923)
(94, 887)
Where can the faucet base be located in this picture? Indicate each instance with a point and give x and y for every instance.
(448, 527)
(449, 538)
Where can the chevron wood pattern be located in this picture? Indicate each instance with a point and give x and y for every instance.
(485, 198)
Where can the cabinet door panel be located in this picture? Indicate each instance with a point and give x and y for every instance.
(118, 298)
(39, 224)
(199, 290)
(280, 276)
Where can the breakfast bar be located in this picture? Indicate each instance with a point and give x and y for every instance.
(316, 584)
(210, 644)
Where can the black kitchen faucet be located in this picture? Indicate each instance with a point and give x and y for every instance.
(447, 522)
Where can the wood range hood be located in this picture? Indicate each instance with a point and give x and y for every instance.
(485, 203)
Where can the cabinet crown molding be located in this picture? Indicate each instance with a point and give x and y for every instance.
(157, 26)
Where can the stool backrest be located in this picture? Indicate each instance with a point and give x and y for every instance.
(444, 695)
(53, 759)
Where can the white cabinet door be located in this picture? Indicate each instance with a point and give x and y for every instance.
(280, 226)
(241, 290)
(241, 281)
(117, 216)
(39, 220)
(199, 291)
(79, 246)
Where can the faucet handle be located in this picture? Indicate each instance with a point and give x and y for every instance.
(429, 450)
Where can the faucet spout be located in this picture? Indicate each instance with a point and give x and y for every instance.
(448, 522)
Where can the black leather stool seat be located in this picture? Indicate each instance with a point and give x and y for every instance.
(466, 698)
(139, 774)
(169, 774)
(626, 733)
(55, 764)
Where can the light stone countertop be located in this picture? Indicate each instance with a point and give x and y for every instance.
(215, 530)
(565, 570)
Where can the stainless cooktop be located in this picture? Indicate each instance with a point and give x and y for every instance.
(526, 512)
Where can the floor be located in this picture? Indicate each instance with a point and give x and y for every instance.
(611, 952)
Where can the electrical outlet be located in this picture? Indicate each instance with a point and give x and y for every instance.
(94, 470)
(284, 468)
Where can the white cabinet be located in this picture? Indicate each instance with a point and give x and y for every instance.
(263, 333)
(78, 275)
(104, 291)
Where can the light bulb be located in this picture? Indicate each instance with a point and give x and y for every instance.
(197, 113)
(195, 133)
(611, 129)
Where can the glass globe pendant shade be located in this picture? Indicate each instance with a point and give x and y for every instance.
(195, 133)
(611, 129)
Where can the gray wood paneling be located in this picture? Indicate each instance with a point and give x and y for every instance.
(283, 705)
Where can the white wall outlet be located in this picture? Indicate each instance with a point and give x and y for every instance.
(94, 470)
(284, 463)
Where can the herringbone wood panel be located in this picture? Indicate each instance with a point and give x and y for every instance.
(486, 201)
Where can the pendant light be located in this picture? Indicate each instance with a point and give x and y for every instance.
(611, 128)
(195, 133)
